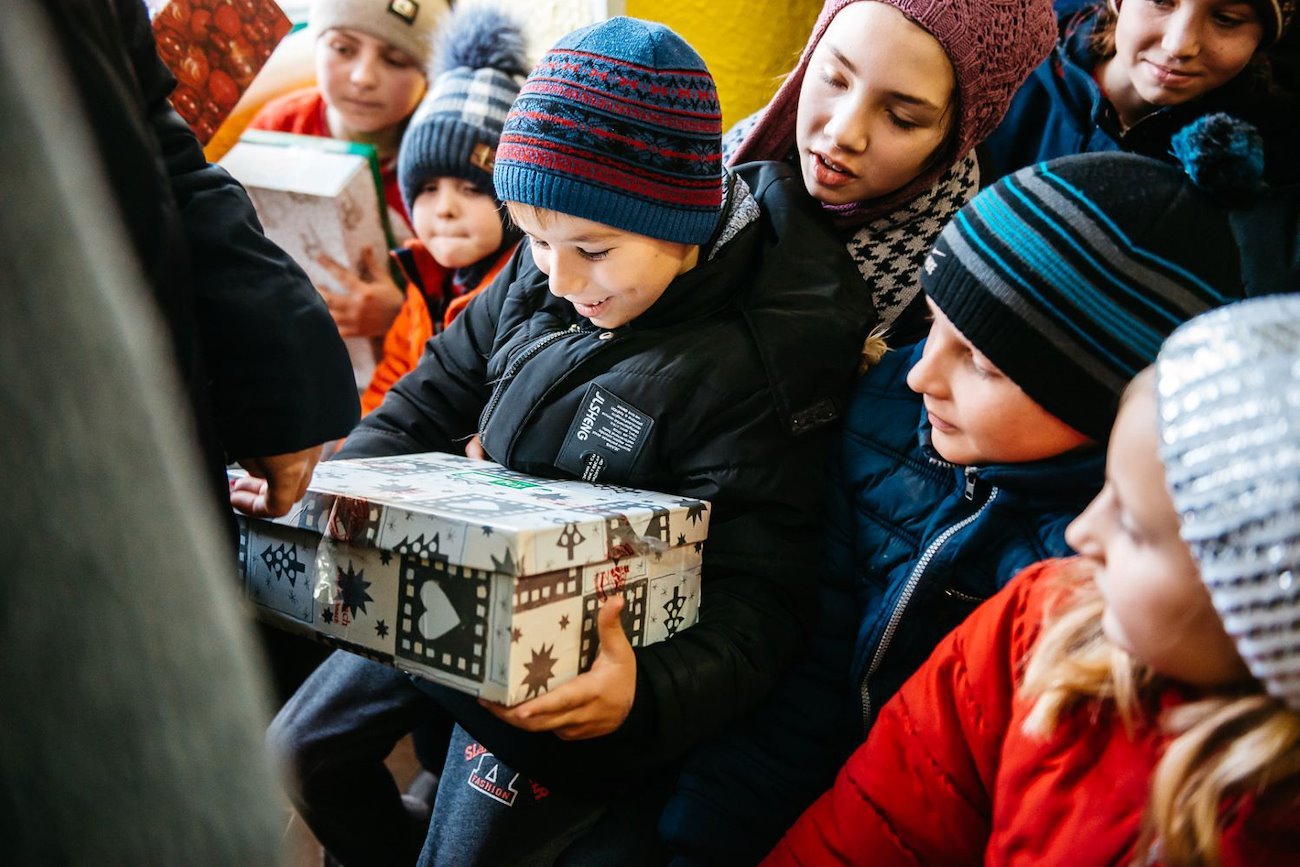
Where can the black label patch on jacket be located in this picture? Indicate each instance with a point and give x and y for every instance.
(606, 436)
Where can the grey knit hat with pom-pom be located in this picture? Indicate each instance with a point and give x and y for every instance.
(479, 65)
(1228, 385)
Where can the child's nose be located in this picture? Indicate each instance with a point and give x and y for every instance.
(564, 276)
(924, 377)
(847, 127)
(365, 71)
(445, 205)
(1182, 36)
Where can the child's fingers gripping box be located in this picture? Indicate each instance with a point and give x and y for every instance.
(471, 575)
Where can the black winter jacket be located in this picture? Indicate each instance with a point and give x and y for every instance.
(255, 348)
(755, 345)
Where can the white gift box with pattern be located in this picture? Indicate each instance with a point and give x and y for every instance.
(472, 575)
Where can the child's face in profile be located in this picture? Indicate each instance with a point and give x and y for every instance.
(1168, 52)
(610, 276)
(456, 221)
(978, 415)
(874, 107)
(1157, 607)
(369, 85)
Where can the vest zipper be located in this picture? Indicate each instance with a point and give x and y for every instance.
(513, 369)
(896, 616)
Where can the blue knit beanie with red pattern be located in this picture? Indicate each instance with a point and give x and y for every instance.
(618, 124)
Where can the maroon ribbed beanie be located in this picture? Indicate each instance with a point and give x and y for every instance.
(993, 45)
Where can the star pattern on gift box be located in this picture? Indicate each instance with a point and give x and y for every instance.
(487, 531)
(699, 546)
(352, 590)
(681, 538)
(540, 671)
(385, 557)
(564, 622)
(695, 510)
(505, 565)
(515, 635)
(381, 629)
(327, 615)
(396, 487)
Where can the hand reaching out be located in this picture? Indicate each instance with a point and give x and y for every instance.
(275, 483)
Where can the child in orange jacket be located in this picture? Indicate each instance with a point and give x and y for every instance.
(1139, 704)
(463, 235)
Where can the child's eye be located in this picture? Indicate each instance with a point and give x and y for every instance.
(901, 122)
(833, 80)
(593, 255)
(538, 243)
(398, 61)
(469, 188)
(341, 48)
(1230, 20)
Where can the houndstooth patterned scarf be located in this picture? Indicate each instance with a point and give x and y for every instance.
(890, 249)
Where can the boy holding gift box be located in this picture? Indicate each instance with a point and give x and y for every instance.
(653, 293)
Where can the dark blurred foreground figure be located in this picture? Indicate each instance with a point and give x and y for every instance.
(132, 711)
(266, 377)
(259, 357)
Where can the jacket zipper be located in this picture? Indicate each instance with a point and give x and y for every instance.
(896, 616)
(520, 360)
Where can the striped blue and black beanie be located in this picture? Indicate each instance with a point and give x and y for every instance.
(619, 124)
(1070, 274)
(478, 67)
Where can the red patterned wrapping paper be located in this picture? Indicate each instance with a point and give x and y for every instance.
(215, 48)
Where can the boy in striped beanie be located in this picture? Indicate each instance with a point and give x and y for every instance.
(667, 327)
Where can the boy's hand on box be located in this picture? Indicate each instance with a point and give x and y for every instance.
(594, 703)
(371, 301)
(275, 483)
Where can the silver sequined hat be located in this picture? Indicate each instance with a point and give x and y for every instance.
(1228, 385)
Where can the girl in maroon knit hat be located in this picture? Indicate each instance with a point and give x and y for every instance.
(882, 114)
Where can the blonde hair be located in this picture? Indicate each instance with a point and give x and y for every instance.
(1222, 747)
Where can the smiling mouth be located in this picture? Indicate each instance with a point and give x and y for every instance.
(939, 423)
(1169, 75)
(831, 166)
(590, 311)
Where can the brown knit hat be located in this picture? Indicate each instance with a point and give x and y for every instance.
(993, 45)
(407, 25)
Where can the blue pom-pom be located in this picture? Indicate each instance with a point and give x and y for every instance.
(480, 36)
(1222, 155)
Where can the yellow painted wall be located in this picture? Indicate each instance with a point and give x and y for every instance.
(748, 46)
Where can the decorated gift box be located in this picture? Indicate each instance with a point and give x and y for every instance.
(215, 48)
(317, 195)
(471, 575)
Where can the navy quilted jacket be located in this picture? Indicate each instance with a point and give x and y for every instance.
(913, 545)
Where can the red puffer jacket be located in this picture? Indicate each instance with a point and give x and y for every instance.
(948, 775)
